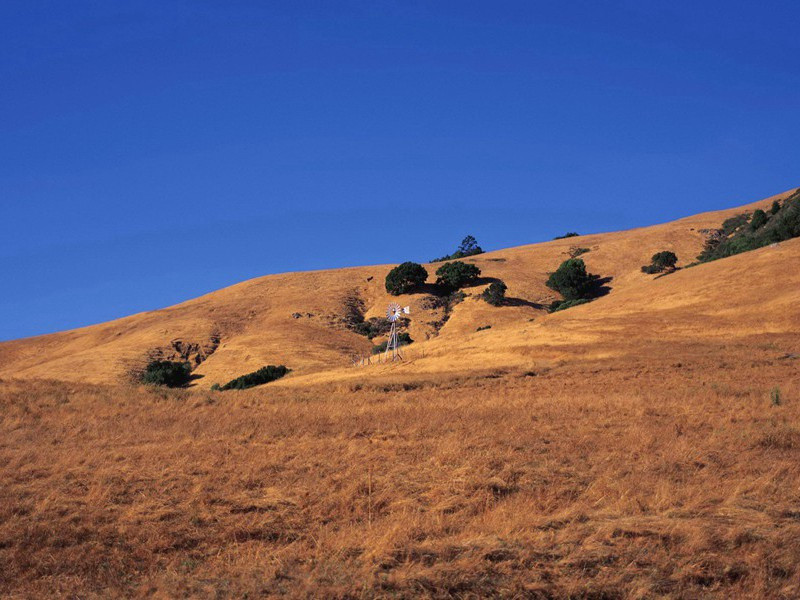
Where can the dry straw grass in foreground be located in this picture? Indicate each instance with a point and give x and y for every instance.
(658, 479)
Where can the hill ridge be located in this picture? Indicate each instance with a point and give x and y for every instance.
(273, 319)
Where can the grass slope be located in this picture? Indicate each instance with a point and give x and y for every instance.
(255, 325)
(627, 448)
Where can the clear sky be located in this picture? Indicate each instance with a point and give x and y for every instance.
(154, 151)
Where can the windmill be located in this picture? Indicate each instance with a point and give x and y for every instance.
(393, 313)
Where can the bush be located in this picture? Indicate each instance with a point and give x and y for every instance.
(565, 304)
(484, 328)
(775, 396)
(405, 277)
(495, 294)
(403, 339)
(776, 207)
(468, 247)
(456, 274)
(660, 262)
(260, 377)
(372, 327)
(571, 280)
(783, 225)
(732, 224)
(569, 234)
(168, 373)
(758, 220)
(575, 251)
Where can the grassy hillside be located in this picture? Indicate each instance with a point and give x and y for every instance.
(644, 445)
(299, 319)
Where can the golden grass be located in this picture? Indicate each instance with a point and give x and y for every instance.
(254, 319)
(668, 475)
(627, 448)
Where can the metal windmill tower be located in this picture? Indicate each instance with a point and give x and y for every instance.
(393, 314)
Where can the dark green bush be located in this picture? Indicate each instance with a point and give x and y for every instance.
(565, 304)
(372, 327)
(783, 225)
(405, 277)
(569, 234)
(732, 224)
(758, 220)
(403, 339)
(776, 207)
(468, 247)
(260, 377)
(484, 328)
(456, 274)
(495, 294)
(166, 372)
(660, 262)
(575, 252)
(571, 279)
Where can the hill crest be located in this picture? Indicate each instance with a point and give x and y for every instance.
(275, 320)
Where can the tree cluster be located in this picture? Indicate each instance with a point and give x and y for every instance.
(661, 262)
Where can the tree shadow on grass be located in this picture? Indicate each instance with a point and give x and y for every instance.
(192, 379)
(599, 287)
(522, 302)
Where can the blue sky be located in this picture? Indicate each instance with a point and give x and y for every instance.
(154, 151)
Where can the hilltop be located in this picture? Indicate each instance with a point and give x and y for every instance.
(301, 319)
(643, 445)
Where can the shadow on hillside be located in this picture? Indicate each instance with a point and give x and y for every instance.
(600, 287)
(484, 281)
(192, 378)
(522, 302)
(430, 289)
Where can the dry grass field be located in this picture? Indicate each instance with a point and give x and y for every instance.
(672, 476)
(644, 445)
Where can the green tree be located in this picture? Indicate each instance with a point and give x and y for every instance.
(665, 259)
(660, 262)
(405, 277)
(776, 207)
(759, 219)
(571, 280)
(456, 274)
(495, 294)
(469, 247)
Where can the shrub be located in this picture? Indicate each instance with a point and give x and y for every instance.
(403, 339)
(776, 207)
(405, 277)
(484, 328)
(571, 279)
(758, 220)
(495, 294)
(783, 225)
(569, 234)
(372, 327)
(732, 224)
(575, 252)
(565, 304)
(660, 262)
(260, 377)
(166, 372)
(456, 274)
(775, 396)
(467, 247)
